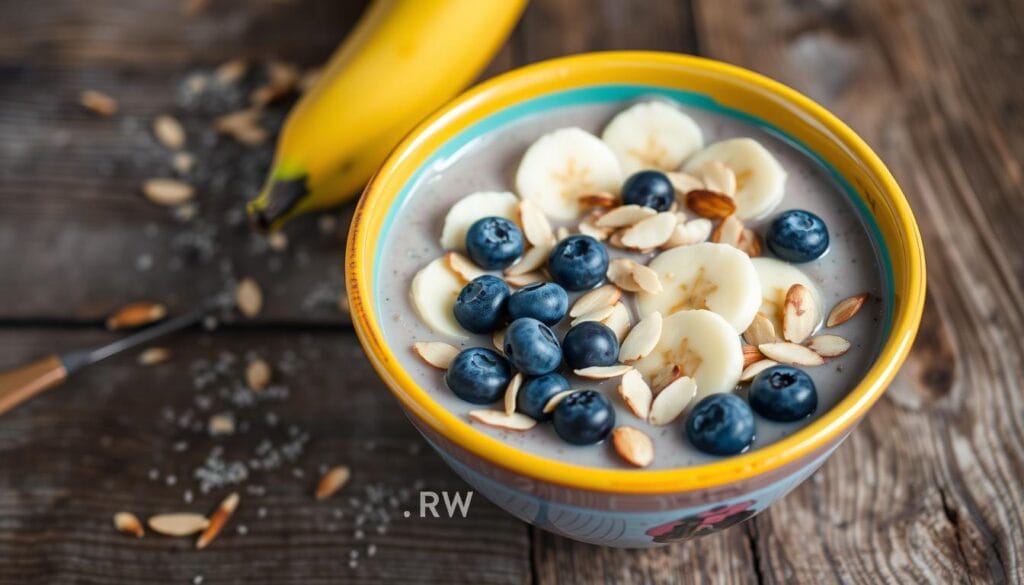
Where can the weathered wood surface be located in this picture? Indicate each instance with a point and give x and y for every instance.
(927, 489)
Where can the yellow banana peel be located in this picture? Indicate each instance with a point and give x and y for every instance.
(404, 59)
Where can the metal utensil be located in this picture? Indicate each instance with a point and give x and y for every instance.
(21, 383)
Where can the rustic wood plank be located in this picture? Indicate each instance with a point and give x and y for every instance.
(75, 456)
(70, 180)
(927, 489)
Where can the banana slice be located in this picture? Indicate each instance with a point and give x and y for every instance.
(760, 179)
(699, 344)
(562, 165)
(433, 293)
(473, 207)
(710, 276)
(776, 278)
(652, 135)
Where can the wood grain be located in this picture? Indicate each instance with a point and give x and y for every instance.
(927, 488)
(80, 453)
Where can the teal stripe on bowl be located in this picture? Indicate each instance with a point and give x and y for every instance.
(598, 94)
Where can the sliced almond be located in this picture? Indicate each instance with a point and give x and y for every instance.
(534, 258)
(646, 279)
(257, 375)
(178, 524)
(218, 519)
(683, 183)
(845, 310)
(633, 446)
(624, 216)
(756, 368)
(154, 356)
(282, 80)
(604, 296)
(729, 231)
(167, 192)
(829, 345)
(98, 102)
(136, 314)
(231, 71)
(500, 420)
(751, 354)
(603, 372)
(718, 177)
(278, 241)
(249, 297)
(672, 401)
(620, 273)
(169, 131)
(521, 280)
(761, 330)
(642, 339)
(436, 353)
(709, 204)
(463, 266)
(800, 315)
(636, 394)
(332, 481)
(602, 199)
(220, 425)
(791, 353)
(561, 233)
(692, 232)
(599, 314)
(552, 402)
(650, 232)
(512, 392)
(536, 227)
(750, 243)
(661, 379)
(619, 321)
(243, 126)
(498, 339)
(128, 523)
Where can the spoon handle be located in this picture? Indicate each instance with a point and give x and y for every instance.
(23, 382)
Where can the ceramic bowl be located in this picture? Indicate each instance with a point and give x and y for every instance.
(625, 507)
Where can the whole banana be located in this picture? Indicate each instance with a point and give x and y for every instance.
(404, 59)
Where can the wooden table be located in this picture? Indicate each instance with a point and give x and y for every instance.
(927, 489)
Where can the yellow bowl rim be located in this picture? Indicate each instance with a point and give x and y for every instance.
(821, 432)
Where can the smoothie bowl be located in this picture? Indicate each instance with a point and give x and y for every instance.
(633, 298)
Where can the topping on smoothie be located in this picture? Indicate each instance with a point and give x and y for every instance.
(633, 446)
(557, 272)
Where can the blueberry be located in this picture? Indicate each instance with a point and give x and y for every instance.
(478, 375)
(536, 392)
(544, 301)
(590, 344)
(532, 347)
(494, 243)
(584, 417)
(578, 263)
(721, 424)
(649, 189)
(798, 236)
(783, 394)
(480, 306)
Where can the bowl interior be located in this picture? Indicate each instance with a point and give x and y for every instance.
(614, 77)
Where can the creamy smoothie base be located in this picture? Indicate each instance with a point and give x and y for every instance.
(851, 266)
